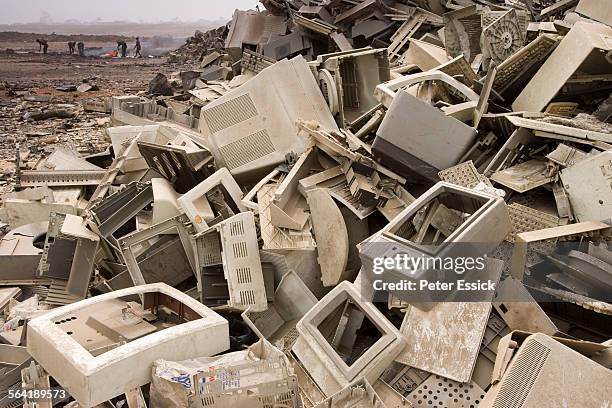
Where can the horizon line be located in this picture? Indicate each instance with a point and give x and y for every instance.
(77, 22)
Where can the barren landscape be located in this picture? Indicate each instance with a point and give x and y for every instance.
(29, 82)
(320, 204)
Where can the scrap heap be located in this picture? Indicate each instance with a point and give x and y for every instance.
(222, 251)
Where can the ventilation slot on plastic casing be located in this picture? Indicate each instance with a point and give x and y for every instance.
(522, 375)
(247, 149)
(230, 113)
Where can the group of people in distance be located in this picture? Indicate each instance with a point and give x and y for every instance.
(43, 46)
(122, 47)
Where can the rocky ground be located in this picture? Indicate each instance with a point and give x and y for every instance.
(29, 84)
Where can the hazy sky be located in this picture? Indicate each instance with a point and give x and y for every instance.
(28, 11)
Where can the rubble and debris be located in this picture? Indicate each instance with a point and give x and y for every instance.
(326, 204)
(263, 375)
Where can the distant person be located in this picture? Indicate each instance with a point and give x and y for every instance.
(138, 47)
(123, 46)
(81, 47)
(71, 47)
(42, 45)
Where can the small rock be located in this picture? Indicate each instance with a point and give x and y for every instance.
(159, 85)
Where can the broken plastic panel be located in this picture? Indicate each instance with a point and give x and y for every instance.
(525, 219)
(112, 215)
(459, 328)
(595, 9)
(587, 184)
(367, 186)
(584, 273)
(292, 300)
(342, 146)
(503, 37)
(34, 205)
(519, 310)
(250, 28)
(564, 208)
(13, 359)
(404, 33)
(424, 55)
(7, 295)
(121, 136)
(462, 29)
(285, 46)
(276, 237)
(359, 394)
(510, 150)
(438, 391)
(386, 92)
(532, 377)
(217, 196)
(403, 379)
(165, 204)
(288, 208)
(33, 378)
(525, 176)
(593, 229)
(255, 378)
(250, 198)
(69, 253)
(254, 62)
(182, 164)
(483, 370)
(464, 174)
(566, 156)
(548, 130)
(515, 71)
(331, 236)
(164, 260)
(229, 252)
(580, 50)
(104, 346)
(136, 243)
(459, 68)
(60, 178)
(20, 253)
(348, 80)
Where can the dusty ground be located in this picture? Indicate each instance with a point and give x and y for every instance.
(24, 75)
(57, 47)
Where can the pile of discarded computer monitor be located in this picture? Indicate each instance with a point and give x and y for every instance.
(223, 251)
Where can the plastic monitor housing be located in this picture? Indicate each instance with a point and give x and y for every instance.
(322, 360)
(486, 226)
(90, 379)
(252, 128)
